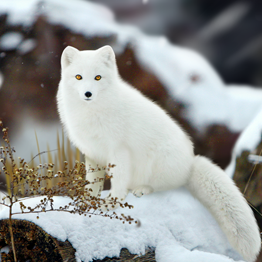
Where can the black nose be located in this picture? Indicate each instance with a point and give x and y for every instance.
(88, 94)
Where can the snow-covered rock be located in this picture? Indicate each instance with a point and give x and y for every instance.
(246, 163)
(173, 222)
(248, 140)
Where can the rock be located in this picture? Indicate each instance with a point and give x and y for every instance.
(33, 243)
(126, 256)
(248, 177)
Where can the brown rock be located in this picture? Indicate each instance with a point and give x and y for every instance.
(33, 243)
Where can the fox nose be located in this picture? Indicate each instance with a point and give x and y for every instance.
(88, 94)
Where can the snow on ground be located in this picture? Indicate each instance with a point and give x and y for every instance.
(248, 140)
(208, 99)
(173, 222)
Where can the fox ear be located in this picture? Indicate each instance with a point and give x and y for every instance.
(108, 56)
(68, 56)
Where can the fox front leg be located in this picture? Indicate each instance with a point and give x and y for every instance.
(94, 177)
(121, 174)
(119, 181)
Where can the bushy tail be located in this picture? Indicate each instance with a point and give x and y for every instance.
(218, 193)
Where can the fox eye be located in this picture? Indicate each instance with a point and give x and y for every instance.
(98, 77)
(78, 77)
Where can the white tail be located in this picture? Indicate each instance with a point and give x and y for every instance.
(219, 194)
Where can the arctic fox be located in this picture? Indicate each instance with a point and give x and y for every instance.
(112, 122)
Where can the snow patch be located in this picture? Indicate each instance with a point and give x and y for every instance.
(27, 46)
(248, 140)
(1, 78)
(10, 41)
(173, 222)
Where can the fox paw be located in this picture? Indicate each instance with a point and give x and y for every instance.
(142, 190)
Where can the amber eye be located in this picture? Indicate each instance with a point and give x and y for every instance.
(98, 77)
(78, 77)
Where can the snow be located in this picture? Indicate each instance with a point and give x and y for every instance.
(10, 41)
(19, 12)
(173, 222)
(26, 46)
(1, 78)
(5, 249)
(255, 159)
(248, 140)
(79, 16)
(208, 101)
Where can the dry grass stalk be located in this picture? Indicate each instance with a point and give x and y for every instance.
(26, 181)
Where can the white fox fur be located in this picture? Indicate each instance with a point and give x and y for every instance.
(111, 122)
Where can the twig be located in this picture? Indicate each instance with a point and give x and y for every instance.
(43, 152)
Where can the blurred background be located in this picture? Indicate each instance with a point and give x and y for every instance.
(34, 33)
(146, 35)
(213, 92)
(201, 60)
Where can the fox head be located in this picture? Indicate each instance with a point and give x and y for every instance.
(88, 73)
